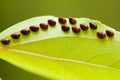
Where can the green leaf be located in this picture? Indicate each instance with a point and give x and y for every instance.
(60, 55)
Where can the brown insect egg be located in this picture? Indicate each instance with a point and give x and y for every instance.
(76, 29)
(65, 28)
(62, 20)
(25, 31)
(84, 26)
(101, 35)
(109, 33)
(93, 25)
(15, 35)
(51, 22)
(34, 28)
(43, 26)
(72, 20)
(5, 41)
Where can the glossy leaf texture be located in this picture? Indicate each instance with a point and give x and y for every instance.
(58, 55)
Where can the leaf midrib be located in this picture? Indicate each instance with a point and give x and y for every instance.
(60, 59)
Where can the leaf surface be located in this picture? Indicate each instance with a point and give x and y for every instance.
(64, 56)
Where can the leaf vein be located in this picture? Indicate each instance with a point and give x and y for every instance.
(61, 59)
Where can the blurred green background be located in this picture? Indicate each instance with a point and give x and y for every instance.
(14, 11)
